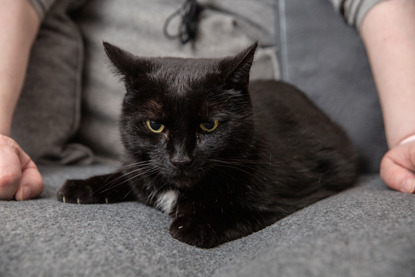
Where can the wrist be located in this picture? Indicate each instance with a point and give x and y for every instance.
(6, 116)
(398, 134)
(4, 128)
(407, 139)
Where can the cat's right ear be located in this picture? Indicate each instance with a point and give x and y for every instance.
(128, 65)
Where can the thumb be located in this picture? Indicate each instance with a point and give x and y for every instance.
(398, 166)
(31, 182)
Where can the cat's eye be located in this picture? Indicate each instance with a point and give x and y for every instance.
(209, 126)
(154, 126)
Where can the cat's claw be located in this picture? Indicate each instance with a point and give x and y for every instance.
(78, 192)
(101, 189)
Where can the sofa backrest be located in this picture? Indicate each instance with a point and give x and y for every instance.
(323, 56)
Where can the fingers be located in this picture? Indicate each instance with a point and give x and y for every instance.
(31, 183)
(10, 170)
(398, 166)
(396, 176)
(19, 176)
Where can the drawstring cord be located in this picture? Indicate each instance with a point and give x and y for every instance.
(189, 13)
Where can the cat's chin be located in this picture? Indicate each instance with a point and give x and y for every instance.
(182, 181)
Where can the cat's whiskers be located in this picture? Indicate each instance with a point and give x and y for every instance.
(128, 193)
(144, 168)
(246, 159)
(154, 193)
(152, 171)
(226, 172)
(235, 167)
(126, 166)
(241, 165)
(122, 175)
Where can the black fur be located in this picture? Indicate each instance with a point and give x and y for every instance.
(273, 152)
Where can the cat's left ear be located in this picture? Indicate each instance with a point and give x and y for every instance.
(236, 69)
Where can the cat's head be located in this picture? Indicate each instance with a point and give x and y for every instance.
(183, 117)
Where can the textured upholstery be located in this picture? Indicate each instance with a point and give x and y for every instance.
(49, 110)
(365, 231)
(324, 57)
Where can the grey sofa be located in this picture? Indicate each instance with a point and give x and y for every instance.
(365, 231)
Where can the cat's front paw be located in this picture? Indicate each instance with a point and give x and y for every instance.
(194, 232)
(80, 192)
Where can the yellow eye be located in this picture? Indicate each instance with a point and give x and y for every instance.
(209, 126)
(154, 126)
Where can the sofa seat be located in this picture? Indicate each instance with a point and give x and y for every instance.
(365, 231)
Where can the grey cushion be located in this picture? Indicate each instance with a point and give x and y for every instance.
(325, 57)
(365, 231)
(42, 7)
(138, 27)
(48, 112)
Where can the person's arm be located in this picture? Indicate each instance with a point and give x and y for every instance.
(19, 24)
(388, 32)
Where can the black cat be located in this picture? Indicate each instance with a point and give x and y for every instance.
(223, 157)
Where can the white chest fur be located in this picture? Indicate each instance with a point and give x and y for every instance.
(166, 200)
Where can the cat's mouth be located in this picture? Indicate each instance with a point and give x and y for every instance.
(182, 180)
(184, 177)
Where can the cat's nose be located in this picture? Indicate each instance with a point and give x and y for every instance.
(180, 160)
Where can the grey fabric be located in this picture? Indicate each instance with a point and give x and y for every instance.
(365, 231)
(48, 112)
(354, 11)
(138, 27)
(324, 57)
(42, 7)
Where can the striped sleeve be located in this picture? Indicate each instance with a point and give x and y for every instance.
(354, 11)
(42, 6)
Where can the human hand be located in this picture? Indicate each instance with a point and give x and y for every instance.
(19, 176)
(397, 167)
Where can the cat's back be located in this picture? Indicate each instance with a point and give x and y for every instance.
(309, 154)
(289, 123)
(281, 100)
(280, 105)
